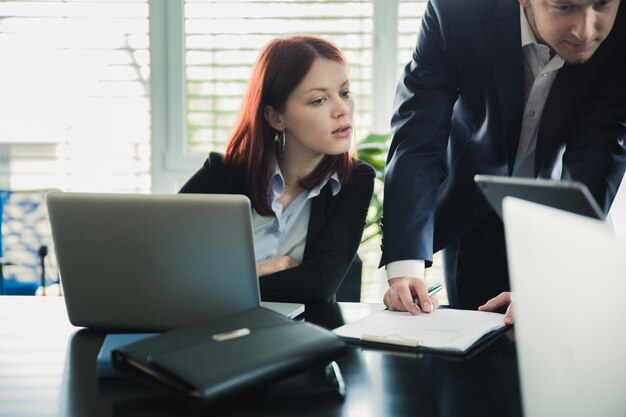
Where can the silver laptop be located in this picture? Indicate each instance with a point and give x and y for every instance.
(572, 196)
(568, 275)
(150, 262)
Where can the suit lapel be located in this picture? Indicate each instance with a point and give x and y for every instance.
(504, 40)
(320, 207)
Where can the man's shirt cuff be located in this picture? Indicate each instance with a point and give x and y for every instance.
(405, 268)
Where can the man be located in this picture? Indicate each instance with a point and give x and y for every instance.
(533, 89)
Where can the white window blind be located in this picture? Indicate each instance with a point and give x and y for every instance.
(74, 107)
(223, 40)
(410, 14)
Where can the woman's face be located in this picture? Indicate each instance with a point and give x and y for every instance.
(318, 114)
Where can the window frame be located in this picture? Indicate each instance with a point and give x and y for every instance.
(170, 165)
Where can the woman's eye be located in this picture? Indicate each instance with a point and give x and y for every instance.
(346, 94)
(319, 101)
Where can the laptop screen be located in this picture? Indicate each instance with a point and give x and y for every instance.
(571, 196)
(153, 262)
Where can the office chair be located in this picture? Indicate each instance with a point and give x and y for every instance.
(26, 254)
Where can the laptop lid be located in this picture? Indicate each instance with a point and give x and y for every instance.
(153, 262)
(568, 279)
(571, 196)
(617, 212)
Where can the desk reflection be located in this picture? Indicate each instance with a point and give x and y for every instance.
(378, 383)
(84, 394)
(484, 384)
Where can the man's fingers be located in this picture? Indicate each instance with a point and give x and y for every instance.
(393, 302)
(409, 294)
(434, 301)
(400, 295)
(387, 301)
(405, 297)
(508, 316)
(421, 291)
(504, 299)
(489, 305)
(501, 300)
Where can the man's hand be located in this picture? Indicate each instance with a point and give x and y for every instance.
(502, 300)
(404, 290)
(279, 263)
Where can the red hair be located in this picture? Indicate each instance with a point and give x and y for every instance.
(251, 151)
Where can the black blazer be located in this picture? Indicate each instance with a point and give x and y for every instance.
(334, 233)
(458, 112)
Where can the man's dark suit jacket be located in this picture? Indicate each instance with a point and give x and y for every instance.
(333, 237)
(458, 113)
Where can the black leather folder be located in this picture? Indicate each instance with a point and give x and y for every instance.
(224, 357)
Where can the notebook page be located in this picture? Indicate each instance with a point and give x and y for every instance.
(444, 329)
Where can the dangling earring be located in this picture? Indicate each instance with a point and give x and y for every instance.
(280, 142)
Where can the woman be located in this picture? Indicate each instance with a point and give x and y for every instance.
(289, 153)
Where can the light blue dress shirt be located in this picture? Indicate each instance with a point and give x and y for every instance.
(286, 233)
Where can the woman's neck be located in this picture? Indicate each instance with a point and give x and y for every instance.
(295, 168)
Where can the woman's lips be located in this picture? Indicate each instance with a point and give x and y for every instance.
(343, 131)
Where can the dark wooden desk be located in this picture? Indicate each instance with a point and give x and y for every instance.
(47, 368)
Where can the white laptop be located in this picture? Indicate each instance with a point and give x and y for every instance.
(568, 275)
(146, 262)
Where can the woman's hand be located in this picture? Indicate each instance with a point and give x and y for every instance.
(272, 265)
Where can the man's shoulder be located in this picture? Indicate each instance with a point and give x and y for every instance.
(467, 23)
(472, 9)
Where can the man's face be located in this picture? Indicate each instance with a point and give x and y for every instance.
(574, 29)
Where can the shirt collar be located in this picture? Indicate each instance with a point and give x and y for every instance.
(335, 186)
(277, 184)
(529, 38)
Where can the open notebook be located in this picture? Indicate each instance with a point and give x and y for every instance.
(446, 330)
